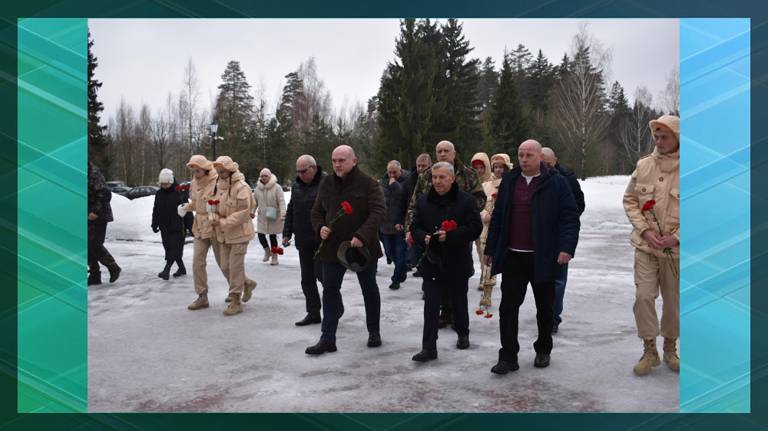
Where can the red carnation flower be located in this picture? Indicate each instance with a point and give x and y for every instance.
(493, 196)
(479, 311)
(649, 205)
(448, 225)
(277, 250)
(347, 207)
(210, 201)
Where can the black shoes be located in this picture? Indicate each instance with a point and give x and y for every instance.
(309, 319)
(114, 273)
(374, 340)
(503, 367)
(165, 274)
(181, 270)
(394, 286)
(555, 327)
(321, 347)
(541, 361)
(425, 355)
(463, 342)
(417, 273)
(94, 279)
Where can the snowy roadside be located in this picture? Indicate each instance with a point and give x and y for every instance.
(147, 352)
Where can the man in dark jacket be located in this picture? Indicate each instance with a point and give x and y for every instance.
(448, 265)
(549, 158)
(392, 232)
(534, 229)
(99, 214)
(166, 220)
(363, 194)
(297, 222)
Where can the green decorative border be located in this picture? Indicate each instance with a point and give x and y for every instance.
(52, 237)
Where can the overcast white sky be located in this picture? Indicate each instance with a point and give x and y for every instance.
(141, 60)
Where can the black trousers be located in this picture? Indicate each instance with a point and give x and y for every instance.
(517, 272)
(97, 231)
(272, 240)
(310, 273)
(435, 290)
(173, 243)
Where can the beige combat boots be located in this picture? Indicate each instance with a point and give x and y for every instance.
(670, 354)
(267, 254)
(200, 302)
(234, 306)
(650, 358)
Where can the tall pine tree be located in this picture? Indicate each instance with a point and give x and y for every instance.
(98, 141)
(233, 113)
(508, 123)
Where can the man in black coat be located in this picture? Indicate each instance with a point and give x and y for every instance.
(166, 220)
(99, 214)
(548, 157)
(534, 229)
(298, 223)
(392, 232)
(448, 265)
(351, 188)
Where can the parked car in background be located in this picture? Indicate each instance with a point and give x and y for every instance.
(141, 191)
(120, 190)
(112, 184)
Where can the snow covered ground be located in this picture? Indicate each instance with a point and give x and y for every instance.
(147, 352)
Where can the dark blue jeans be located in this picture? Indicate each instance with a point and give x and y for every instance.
(560, 292)
(333, 274)
(396, 248)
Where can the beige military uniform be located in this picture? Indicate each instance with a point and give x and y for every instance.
(235, 230)
(200, 191)
(656, 177)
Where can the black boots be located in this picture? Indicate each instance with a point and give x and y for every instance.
(394, 286)
(425, 355)
(321, 347)
(165, 274)
(503, 367)
(374, 339)
(541, 360)
(114, 273)
(309, 319)
(94, 278)
(463, 342)
(181, 270)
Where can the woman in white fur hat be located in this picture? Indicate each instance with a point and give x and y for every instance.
(166, 220)
(270, 204)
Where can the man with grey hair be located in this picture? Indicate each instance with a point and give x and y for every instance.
(446, 221)
(392, 232)
(549, 158)
(526, 252)
(466, 179)
(297, 222)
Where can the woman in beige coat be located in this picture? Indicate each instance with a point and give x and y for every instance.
(270, 207)
(500, 163)
(233, 228)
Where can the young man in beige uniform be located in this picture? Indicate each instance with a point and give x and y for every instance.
(657, 177)
(233, 229)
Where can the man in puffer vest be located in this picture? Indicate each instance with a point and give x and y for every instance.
(233, 228)
(657, 248)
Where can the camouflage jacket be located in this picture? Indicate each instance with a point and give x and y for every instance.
(99, 194)
(466, 178)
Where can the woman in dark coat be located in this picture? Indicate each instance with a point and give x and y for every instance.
(165, 219)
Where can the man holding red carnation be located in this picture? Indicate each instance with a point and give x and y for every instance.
(652, 204)
(349, 208)
(446, 222)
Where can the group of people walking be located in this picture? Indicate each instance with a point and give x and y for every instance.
(522, 222)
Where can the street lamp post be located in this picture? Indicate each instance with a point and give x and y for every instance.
(214, 129)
